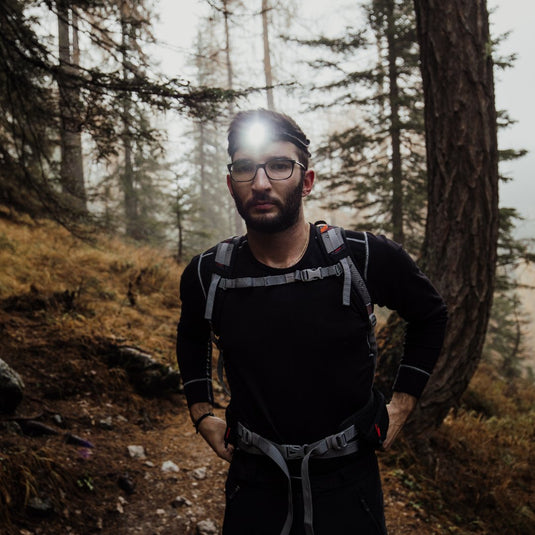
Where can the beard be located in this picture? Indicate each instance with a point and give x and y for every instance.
(288, 214)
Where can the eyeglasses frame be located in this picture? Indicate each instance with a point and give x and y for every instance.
(263, 166)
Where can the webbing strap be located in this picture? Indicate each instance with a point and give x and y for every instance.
(224, 252)
(303, 275)
(337, 445)
(346, 292)
(210, 298)
(363, 291)
(333, 239)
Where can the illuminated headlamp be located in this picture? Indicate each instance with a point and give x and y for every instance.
(259, 132)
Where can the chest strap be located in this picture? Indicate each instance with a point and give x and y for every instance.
(302, 275)
(337, 445)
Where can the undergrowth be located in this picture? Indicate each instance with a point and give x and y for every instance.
(477, 470)
(26, 473)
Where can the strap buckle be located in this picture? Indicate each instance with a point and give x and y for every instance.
(245, 435)
(338, 441)
(292, 451)
(311, 274)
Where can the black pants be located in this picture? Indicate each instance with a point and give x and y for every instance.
(347, 497)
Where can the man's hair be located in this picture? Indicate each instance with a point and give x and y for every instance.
(281, 127)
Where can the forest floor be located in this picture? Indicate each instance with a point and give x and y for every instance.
(84, 479)
(102, 489)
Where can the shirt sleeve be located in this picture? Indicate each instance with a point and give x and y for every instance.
(395, 281)
(193, 345)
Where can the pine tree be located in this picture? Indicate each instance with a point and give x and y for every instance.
(71, 165)
(30, 123)
(378, 148)
(460, 246)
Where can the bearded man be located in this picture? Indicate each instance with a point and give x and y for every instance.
(291, 305)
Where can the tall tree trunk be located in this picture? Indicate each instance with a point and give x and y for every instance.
(129, 193)
(71, 167)
(395, 127)
(459, 252)
(237, 221)
(267, 56)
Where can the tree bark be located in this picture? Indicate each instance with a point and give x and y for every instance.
(237, 221)
(129, 191)
(71, 166)
(267, 56)
(460, 246)
(395, 127)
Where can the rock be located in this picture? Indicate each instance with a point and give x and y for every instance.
(150, 377)
(180, 500)
(106, 423)
(125, 483)
(199, 473)
(169, 466)
(11, 428)
(206, 527)
(40, 507)
(58, 420)
(137, 452)
(11, 388)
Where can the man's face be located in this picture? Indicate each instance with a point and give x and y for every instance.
(270, 206)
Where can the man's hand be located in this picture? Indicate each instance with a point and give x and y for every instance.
(212, 429)
(399, 409)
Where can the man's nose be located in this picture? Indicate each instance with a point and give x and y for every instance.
(261, 181)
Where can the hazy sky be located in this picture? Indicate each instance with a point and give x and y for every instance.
(514, 87)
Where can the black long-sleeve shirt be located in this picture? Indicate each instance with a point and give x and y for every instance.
(297, 360)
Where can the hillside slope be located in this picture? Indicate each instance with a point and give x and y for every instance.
(65, 308)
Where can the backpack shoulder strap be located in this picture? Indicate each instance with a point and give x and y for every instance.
(221, 266)
(335, 244)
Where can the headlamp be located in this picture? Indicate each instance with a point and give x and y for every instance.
(260, 132)
(255, 135)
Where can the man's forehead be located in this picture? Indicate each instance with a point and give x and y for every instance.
(273, 149)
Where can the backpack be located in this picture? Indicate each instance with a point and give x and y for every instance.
(341, 261)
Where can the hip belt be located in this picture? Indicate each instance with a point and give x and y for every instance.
(337, 445)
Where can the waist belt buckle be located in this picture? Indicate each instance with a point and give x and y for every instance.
(294, 451)
(245, 436)
(339, 441)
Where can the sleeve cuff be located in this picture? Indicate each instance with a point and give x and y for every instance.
(198, 391)
(411, 380)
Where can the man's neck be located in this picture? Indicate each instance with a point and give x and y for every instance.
(281, 249)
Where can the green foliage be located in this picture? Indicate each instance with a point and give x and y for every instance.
(379, 149)
(30, 122)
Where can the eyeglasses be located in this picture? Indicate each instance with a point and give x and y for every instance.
(275, 169)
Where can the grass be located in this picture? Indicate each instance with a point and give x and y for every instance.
(119, 290)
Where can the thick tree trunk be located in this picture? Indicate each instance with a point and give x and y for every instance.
(71, 167)
(459, 253)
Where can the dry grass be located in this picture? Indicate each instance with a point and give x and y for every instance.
(24, 474)
(477, 473)
(118, 290)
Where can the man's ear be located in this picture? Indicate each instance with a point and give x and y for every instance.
(229, 185)
(308, 181)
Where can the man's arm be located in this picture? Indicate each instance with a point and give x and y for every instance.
(212, 429)
(396, 281)
(399, 409)
(195, 362)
